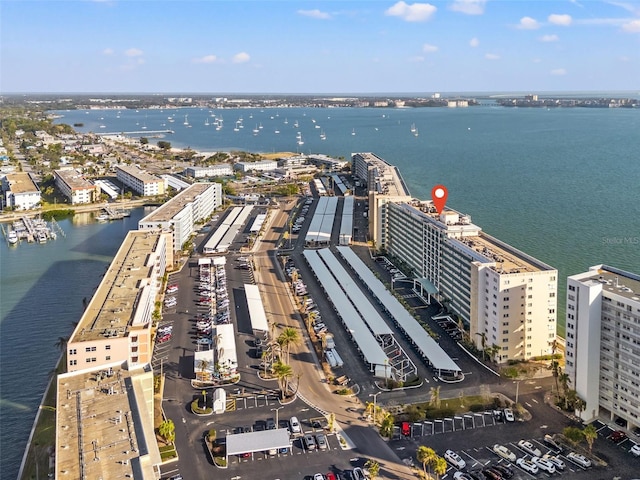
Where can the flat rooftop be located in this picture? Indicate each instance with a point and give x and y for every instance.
(21, 183)
(98, 426)
(111, 310)
(74, 179)
(169, 210)
(625, 284)
(139, 173)
(388, 180)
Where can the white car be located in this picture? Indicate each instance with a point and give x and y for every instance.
(544, 464)
(504, 452)
(635, 450)
(529, 448)
(527, 465)
(462, 476)
(559, 464)
(508, 415)
(295, 425)
(579, 459)
(454, 459)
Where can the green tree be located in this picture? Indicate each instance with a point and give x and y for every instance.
(204, 365)
(61, 343)
(212, 435)
(373, 467)
(283, 373)
(434, 401)
(439, 466)
(288, 337)
(164, 145)
(425, 456)
(573, 434)
(144, 141)
(386, 426)
(590, 434)
(167, 430)
(564, 380)
(555, 370)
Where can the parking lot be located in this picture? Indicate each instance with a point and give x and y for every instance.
(451, 424)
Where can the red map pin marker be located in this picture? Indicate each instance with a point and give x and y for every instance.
(439, 196)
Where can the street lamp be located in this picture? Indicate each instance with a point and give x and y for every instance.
(517, 382)
(375, 398)
(277, 410)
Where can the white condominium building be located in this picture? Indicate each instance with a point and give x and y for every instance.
(259, 166)
(20, 191)
(181, 214)
(384, 184)
(139, 181)
(217, 170)
(506, 297)
(116, 325)
(75, 187)
(603, 342)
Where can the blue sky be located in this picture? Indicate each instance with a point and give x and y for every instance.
(319, 46)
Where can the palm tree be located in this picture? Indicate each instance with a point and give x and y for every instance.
(61, 344)
(373, 467)
(435, 397)
(555, 368)
(590, 434)
(483, 338)
(425, 456)
(439, 466)
(564, 380)
(204, 364)
(283, 373)
(288, 337)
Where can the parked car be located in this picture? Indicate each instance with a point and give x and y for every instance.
(454, 459)
(544, 464)
(358, 474)
(318, 476)
(551, 443)
(405, 428)
(309, 442)
(491, 474)
(295, 425)
(321, 441)
(559, 464)
(508, 415)
(527, 465)
(271, 424)
(505, 471)
(579, 459)
(618, 436)
(635, 450)
(529, 448)
(462, 476)
(504, 452)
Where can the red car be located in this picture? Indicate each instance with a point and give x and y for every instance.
(406, 429)
(329, 476)
(164, 338)
(617, 436)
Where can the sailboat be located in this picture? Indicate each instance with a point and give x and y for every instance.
(186, 120)
(353, 132)
(322, 135)
(413, 128)
(415, 132)
(256, 130)
(299, 137)
(206, 122)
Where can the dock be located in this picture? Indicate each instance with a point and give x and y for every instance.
(36, 230)
(115, 214)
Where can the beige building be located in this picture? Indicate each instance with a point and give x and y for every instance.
(75, 187)
(116, 325)
(20, 191)
(104, 425)
(139, 181)
(384, 184)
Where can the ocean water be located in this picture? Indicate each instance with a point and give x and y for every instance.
(41, 290)
(562, 185)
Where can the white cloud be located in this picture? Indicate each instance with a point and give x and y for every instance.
(108, 51)
(133, 52)
(557, 19)
(416, 59)
(241, 57)
(528, 23)
(474, 42)
(470, 7)
(416, 12)
(549, 38)
(314, 14)
(426, 48)
(558, 72)
(632, 27)
(492, 56)
(536, 60)
(206, 59)
(626, 6)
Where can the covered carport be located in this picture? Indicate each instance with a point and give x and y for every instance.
(425, 287)
(261, 441)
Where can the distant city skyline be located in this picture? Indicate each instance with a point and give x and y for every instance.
(299, 47)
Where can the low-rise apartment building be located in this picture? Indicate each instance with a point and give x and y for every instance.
(75, 187)
(20, 191)
(116, 325)
(139, 181)
(603, 343)
(259, 166)
(181, 214)
(217, 170)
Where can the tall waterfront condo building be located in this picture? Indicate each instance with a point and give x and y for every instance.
(603, 342)
(506, 298)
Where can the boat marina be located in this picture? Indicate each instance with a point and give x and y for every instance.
(31, 230)
(111, 214)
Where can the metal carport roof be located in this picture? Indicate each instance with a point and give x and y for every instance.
(257, 441)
